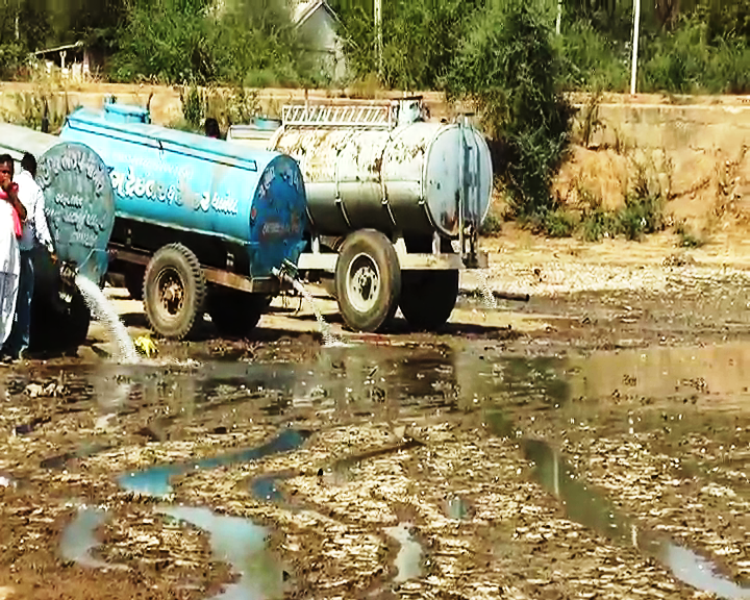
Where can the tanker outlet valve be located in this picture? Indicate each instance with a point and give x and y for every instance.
(287, 272)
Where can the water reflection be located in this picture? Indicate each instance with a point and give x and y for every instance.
(586, 506)
(409, 557)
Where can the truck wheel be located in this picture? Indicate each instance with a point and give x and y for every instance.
(428, 298)
(174, 291)
(368, 280)
(235, 314)
(134, 281)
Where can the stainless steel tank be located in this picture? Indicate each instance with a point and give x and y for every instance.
(395, 175)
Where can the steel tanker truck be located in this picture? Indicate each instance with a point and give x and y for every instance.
(80, 211)
(394, 204)
(201, 225)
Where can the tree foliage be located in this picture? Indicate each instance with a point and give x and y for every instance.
(509, 67)
(177, 41)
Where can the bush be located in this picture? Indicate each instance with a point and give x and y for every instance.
(420, 39)
(508, 67)
(688, 239)
(593, 61)
(596, 222)
(640, 215)
(560, 223)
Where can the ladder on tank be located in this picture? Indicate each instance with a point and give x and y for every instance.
(326, 115)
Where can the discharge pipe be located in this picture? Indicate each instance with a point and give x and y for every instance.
(511, 296)
(288, 273)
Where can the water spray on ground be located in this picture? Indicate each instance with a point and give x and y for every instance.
(103, 311)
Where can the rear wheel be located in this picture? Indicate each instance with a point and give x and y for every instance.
(368, 280)
(428, 298)
(234, 313)
(174, 292)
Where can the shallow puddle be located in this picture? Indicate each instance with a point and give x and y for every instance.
(241, 543)
(79, 538)
(456, 508)
(409, 558)
(155, 481)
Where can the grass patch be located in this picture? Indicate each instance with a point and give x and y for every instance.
(688, 238)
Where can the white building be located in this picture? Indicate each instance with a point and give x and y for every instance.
(317, 23)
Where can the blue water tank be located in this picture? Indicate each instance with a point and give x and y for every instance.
(79, 206)
(190, 183)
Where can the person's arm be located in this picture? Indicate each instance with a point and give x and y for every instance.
(40, 222)
(15, 202)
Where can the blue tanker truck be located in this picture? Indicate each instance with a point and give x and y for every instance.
(201, 225)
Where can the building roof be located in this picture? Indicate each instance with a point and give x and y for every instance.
(305, 9)
(78, 44)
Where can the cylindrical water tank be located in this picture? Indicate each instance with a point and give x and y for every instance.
(406, 179)
(223, 192)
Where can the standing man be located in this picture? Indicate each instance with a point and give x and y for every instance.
(34, 230)
(12, 214)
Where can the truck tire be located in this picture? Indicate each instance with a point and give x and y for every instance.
(234, 313)
(134, 281)
(428, 298)
(174, 292)
(367, 280)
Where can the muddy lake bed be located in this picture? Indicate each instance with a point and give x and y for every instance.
(586, 445)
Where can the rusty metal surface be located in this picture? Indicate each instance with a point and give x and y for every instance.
(405, 179)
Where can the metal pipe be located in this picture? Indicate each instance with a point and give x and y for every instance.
(636, 33)
(462, 189)
(379, 33)
(511, 296)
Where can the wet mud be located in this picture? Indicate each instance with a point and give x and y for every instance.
(576, 453)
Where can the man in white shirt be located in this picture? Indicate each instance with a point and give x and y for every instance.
(35, 230)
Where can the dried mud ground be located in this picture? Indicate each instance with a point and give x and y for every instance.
(591, 443)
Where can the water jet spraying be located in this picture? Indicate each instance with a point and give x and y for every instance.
(288, 273)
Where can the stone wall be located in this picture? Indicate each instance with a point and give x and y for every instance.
(694, 149)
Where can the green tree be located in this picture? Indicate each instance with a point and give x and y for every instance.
(420, 39)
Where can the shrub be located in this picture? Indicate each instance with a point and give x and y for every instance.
(688, 239)
(560, 223)
(593, 61)
(182, 41)
(597, 222)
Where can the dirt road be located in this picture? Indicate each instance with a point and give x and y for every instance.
(591, 443)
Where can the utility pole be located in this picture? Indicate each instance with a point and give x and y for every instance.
(379, 33)
(636, 32)
(558, 22)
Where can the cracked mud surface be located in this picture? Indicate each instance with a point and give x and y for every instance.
(593, 443)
